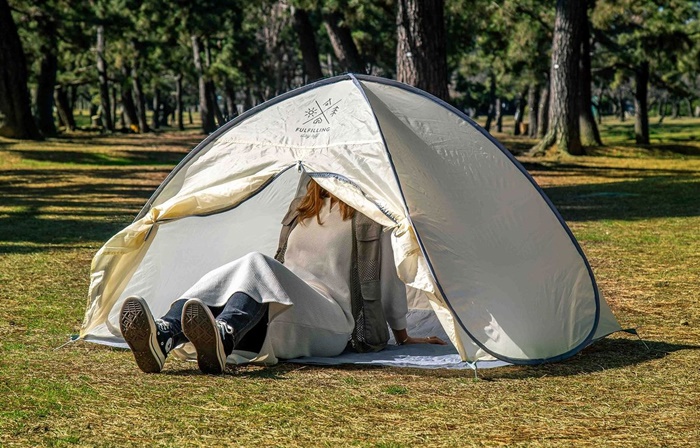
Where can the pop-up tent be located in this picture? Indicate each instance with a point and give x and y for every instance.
(483, 252)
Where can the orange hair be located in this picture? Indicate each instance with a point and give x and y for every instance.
(312, 203)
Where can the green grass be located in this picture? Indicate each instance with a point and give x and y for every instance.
(635, 211)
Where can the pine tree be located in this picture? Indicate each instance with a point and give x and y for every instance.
(564, 128)
(14, 95)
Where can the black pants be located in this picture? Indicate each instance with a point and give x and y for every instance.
(245, 315)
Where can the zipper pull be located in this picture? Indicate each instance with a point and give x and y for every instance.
(298, 166)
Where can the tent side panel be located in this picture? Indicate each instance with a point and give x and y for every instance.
(186, 249)
(507, 266)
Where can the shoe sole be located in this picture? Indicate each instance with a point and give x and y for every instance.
(139, 331)
(200, 328)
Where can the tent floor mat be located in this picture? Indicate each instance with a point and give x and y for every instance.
(421, 356)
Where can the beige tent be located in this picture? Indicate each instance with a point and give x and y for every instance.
(483, 252)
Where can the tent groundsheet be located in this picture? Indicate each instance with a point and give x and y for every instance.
(419, 356)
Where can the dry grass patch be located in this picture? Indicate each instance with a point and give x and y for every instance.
(634, 210)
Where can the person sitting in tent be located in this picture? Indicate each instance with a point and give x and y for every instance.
(337, 286)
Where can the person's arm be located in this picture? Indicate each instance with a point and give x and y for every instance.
(402, 338)
(394, 301)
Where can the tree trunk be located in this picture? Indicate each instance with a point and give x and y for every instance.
(226, 107)
(65, 111)
(519, 113)
(214, 104)
(543, 112)
(155, 119)
(96, 117)
(674, 110)
(421, 46)
(72, 97)
(330, 67)
(122, 114)
(15, 108)
(589, 129)
(492, 103)
(533, 108)
(230, 95)
(129, 108)
(641, 114)
(343, 45)
(140, 100)
(205, 106)
(307, 43)
(178, 102)
(46, 81)
(564, 128)
(499, 115)
(115, 95)
(621, 104)
(249, 100)
(662, 110)
(103, 79)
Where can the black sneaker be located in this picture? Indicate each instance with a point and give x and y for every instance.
(140, 331)
(212, 339)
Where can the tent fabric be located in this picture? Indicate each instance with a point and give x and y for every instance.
(410, 356)
(481, 249)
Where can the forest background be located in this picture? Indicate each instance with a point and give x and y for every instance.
(140, 66)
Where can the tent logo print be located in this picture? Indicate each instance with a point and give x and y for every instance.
(317, 118)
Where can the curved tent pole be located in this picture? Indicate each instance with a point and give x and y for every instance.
(356, 80)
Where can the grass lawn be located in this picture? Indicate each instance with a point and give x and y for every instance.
(635, 211)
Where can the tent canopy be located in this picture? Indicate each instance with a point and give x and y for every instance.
(478, 244)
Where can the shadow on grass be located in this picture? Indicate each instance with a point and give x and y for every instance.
(655, 129)
(675, 148)
(69, 206)
(52, 206)
(670, 137)
(162, 137)
(652, 197)
(603, 355)
(517, 145)
(276, 372)
(652, 193)
(119, 158)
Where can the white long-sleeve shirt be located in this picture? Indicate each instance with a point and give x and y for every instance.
(321, 255)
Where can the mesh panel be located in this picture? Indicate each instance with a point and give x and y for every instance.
(360, 323)
(369, 270)
(358, 333)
